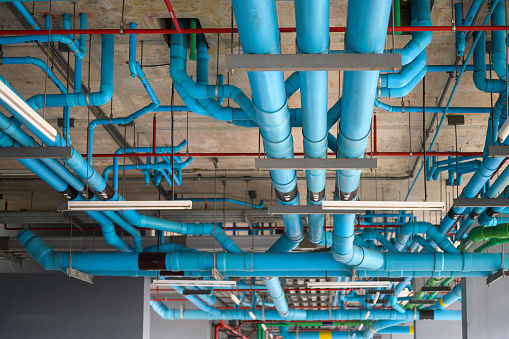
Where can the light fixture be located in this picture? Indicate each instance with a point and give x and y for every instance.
(15, 102)
(384, 205)
(264, 327)
(72, 273)
(348, 284)
(252, 315)
(503, 132)
(235, 299)
(367, 315)
(375, 300)
(271, 336)
(360, 327)
(200, 283)
(125, 205)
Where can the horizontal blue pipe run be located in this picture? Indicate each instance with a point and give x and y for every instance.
(270, 315)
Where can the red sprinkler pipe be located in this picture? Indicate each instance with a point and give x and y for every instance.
(229, 328)
(173, 16)
(375, 148)
(228, 30)
(154, 130)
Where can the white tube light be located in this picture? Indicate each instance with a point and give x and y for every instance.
(264, 327)
(252, 315)
(127, 205)
(349, 284)
(384, 205)
(503, 132)
(32, 117)
(235, 299)
(198, 283)
(367, 315)
(271, 336)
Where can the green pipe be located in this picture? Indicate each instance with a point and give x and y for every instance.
(501, 231)
(397, 15)
(434, 294)
(192, 55)
(430, 283)
(491, 243)
(259, 333)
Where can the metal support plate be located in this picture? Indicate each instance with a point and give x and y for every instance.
(316, 164)
(14, 153)
(498, 151)
(481, 202)
(313, 62)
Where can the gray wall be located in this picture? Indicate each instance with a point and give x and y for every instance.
(179, 329)
(53, 306)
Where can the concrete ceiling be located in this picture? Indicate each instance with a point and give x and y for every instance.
(206, 134)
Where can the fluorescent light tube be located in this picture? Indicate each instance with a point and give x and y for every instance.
(127, 205)
(264, 327)
(19, 105)
(367, 315)
(360, 327)
(348, 284)
(271, 336)
(384, 205)
(201, 283)
(252, 315)
(235, 299)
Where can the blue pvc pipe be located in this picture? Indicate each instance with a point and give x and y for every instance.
(480, 81)
(84, 99)
(312, 18)
(37, 62)
(449, 298)
(405, 90)
(365, 33)
(498, 40)
(411, 109)
(460, 38)
(259, 34)
(431, 232)
(9, 40)
(407, 73)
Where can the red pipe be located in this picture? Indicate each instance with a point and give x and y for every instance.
(154, 130)
(172, 15)
(374, 134)
(246, 154)
(228, 30)
(229, 328)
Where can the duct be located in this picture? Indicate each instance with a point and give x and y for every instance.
(449, 298)
(312, 18)
(365, 33)
(37, 62)
(407, 73)
(84, 99)
(480, 81)
(405, 90)
(270, 315)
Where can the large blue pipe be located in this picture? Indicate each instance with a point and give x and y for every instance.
(312, 18)
(498, 40)
(176, 314)
(449, 298)
(407, 73)
(460, 36)
(424, 228)
(365, 33)
(259, 34)
(253, 264)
